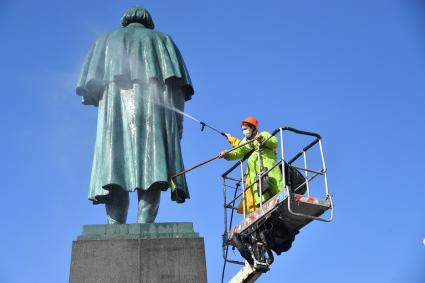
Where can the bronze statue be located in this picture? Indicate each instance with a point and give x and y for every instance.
(137, 78)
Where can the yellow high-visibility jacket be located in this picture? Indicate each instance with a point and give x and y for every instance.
(268, 159)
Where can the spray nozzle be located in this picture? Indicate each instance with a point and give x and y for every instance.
(214, 129)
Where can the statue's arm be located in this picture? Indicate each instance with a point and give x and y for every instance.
(91, 83)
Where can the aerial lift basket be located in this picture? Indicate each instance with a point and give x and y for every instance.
(273, 225)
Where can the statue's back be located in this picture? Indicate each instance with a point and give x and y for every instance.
(137, 78)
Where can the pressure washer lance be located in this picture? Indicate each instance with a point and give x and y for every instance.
(212, 128)
(209, 160)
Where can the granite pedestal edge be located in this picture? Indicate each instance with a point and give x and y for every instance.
(134, 253)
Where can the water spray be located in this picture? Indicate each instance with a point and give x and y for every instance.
(203, 124)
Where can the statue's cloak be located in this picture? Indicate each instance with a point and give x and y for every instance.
(136, 77)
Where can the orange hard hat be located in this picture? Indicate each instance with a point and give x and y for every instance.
(251, 120)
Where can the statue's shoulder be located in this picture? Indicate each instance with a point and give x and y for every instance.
(162, 35)
(132, 33)
(156, 35)
(134, 36)
(102, 38)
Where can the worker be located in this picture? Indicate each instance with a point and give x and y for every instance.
(248, 202)
(268, 158)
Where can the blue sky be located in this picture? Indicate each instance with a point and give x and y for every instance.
(354, 71)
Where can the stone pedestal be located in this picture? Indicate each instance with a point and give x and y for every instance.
(130, 253)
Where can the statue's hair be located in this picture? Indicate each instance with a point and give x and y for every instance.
(137, 15)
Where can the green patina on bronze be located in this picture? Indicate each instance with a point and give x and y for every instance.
(138, 231)
(136, 77)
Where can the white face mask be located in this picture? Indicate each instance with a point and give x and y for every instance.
(247, 133)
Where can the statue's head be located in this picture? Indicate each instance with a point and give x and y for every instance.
(137, 15)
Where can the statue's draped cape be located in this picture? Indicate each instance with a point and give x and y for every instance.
(136, 77)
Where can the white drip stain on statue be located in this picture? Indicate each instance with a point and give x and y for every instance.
(128, 97)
